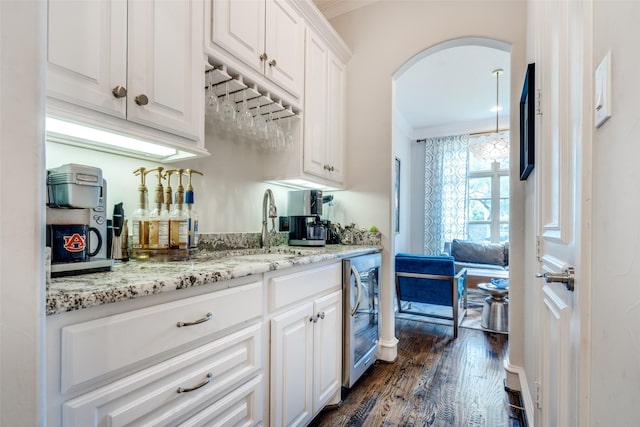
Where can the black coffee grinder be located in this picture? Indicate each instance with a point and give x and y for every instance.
(305, 227)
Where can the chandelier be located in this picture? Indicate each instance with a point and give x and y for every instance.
(495, 146)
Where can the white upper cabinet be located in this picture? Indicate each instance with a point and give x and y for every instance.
(165, 65)
(336, 94)
(87, 53)
(315, 105)
(238, 27)
(284, 46)
(324, 111)
(267, 35)
(136, 60)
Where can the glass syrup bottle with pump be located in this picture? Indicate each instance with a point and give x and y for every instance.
(191, 213)
(178, 227)
(158, 218)
(140, 218)
(168, 193)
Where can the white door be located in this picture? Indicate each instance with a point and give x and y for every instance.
(284, 44)
(238, 27)
(166, 66)
(563, 135)
(87, 53)
(327, 349)
(315, 105)
(292, 366)
(336, 76)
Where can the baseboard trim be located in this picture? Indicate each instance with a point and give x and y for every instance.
(518, 374)
(388, 350)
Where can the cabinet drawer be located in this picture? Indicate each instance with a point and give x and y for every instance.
(150, 397)
(99, 347)
(241, 407)
(285, 290)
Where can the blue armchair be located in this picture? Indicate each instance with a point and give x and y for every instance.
(431, 280)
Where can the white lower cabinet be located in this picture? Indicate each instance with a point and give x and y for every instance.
(198, 360)
(306, 345)
(201, 382)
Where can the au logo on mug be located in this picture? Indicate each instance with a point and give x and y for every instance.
(75, 243)
(72, 242)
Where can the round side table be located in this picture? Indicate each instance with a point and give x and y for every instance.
(495, 312)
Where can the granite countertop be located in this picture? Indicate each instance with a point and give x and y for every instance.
(137, 278)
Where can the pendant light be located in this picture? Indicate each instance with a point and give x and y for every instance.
(495, 146)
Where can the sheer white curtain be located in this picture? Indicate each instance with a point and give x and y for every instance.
(445, 190)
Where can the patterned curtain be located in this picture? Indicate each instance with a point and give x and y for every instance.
(445, 191)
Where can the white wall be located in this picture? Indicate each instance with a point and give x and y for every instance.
(22, 285)
(228, 198)
(615, 313)
(403, 150)
(382, 37)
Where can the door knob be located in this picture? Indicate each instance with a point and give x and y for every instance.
(567, 277)
(119, 91)
(142, 99)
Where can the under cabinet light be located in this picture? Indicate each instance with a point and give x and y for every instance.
(90, 137)
(302, 184)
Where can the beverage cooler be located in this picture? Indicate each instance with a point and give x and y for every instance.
(360, 287)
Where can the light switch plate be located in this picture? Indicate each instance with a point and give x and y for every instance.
(602, 95)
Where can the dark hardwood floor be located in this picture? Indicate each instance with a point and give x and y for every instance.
(436, 381)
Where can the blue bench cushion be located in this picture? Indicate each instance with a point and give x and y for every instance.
(428, 291)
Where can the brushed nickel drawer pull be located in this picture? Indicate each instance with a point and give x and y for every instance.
(206, 318)
(202, 384)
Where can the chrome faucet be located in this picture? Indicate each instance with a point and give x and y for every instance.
(273, 214)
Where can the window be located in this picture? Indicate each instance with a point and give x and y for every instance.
(488, 186)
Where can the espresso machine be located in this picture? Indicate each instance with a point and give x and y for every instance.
(305, 227)
(77, 220)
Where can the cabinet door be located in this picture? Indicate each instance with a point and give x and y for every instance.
(166, 65)
(292, 366)
(315, 105)
(327, 349)
(87, 53)
(238, 27)
(335, 118)
(284, 42)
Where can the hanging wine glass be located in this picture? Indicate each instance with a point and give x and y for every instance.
(260, 127)
(272, 133)
(212, 107)
(228, 110)
(289, 134)
(280, 136)
(244, 118)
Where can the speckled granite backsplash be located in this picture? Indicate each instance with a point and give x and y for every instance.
(231, 241)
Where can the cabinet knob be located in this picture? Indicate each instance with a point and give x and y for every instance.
(331, 168)
(272, 63)
(320, 315)
(313, 319)
(263, 57)
(119, 91)
(325, 167)
(142, 99)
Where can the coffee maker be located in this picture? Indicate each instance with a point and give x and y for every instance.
(77, 220)
(305, 227)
